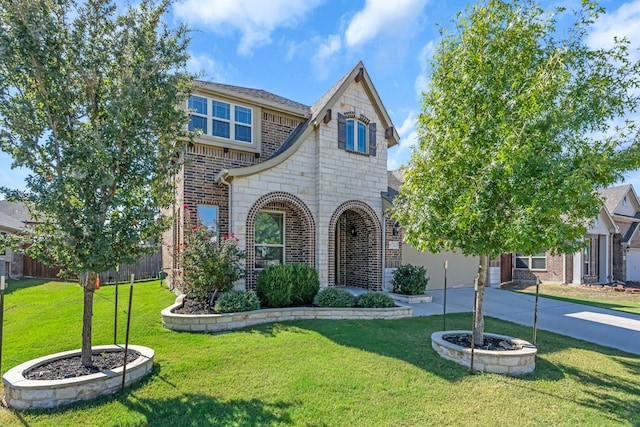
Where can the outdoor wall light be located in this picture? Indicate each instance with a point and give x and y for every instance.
(395, 230)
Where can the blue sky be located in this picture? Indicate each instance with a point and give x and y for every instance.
(299, 48)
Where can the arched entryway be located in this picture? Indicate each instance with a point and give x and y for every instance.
(355, 254)
(280, 229)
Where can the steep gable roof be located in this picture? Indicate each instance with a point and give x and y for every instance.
(614, 195)
(317, 112)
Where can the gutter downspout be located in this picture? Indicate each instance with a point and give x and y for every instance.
(384, 266)
(220, 178)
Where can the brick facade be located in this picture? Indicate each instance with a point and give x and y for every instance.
(559, 269)
(300, 231)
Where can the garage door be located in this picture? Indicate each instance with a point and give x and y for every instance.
(633, 265)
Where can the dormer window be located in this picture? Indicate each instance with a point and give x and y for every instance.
(357, 135)
(221, 119)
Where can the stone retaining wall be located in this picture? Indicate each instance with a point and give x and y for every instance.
(509, 362)
(231, 321)
(22, 393)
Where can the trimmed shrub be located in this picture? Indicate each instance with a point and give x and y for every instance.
(372, 299)
(305, 284)
(274, 285)
(235, 301)
(410, 280)
(334, 297)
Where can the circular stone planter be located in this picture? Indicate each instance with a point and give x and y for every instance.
(22, 393)
(508, 362)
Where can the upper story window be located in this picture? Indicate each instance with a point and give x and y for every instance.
(624, 201)
(356, 134)
(221, 119)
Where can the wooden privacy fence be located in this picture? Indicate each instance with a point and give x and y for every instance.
(147, 268)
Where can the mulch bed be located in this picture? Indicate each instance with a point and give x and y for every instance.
(490, 343)
(71, 367)
(629, 287)
(192, 306)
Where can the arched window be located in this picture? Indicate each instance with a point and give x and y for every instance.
(356, 134)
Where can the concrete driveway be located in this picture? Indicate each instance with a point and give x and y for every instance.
(605, 327)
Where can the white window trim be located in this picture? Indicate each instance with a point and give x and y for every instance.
(210, 139)
(283, 245)
(530, 257)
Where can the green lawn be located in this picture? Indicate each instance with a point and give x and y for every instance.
(596, 297)
(314, 373)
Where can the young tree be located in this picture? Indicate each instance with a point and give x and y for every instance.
(89, 103)
(520, 125)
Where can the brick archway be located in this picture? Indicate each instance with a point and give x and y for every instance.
(303, 222)
(366, 231)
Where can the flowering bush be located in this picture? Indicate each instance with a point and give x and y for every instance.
(208, 264)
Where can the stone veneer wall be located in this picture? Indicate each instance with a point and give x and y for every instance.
(325, 178)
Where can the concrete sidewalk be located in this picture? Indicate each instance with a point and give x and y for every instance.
(605, 327)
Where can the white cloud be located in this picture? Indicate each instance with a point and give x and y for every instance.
(393, 18)
(208, 68)
(254, 19)
(324, 54)
(621, 22)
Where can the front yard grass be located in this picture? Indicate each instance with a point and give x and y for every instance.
(596, 297)
(313, 373)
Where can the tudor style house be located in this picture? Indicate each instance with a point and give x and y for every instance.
(294, 183)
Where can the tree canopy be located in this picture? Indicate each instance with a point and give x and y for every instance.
(91, 103)
(521, 124)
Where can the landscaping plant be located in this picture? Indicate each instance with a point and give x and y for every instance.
(372, 299)
(209, 263)
(235, 301)
(410, 280)
(305, 284)
(274, 285)
(334, 297)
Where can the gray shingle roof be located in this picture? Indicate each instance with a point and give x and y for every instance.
(613, 195)
(260, 94)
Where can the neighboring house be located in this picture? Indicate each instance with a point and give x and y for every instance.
(594, 264)
(294, 183)
(623, 204)
(12, 221)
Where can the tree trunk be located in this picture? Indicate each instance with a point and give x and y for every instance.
(483, 276)
(87, 318)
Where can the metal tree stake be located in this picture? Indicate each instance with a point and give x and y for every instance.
(126, 340)
(535, 312)
(444, 307)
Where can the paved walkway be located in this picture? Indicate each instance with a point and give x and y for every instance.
(606, 327)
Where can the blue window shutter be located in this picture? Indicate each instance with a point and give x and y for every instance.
(372, 139)
(342, 131)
